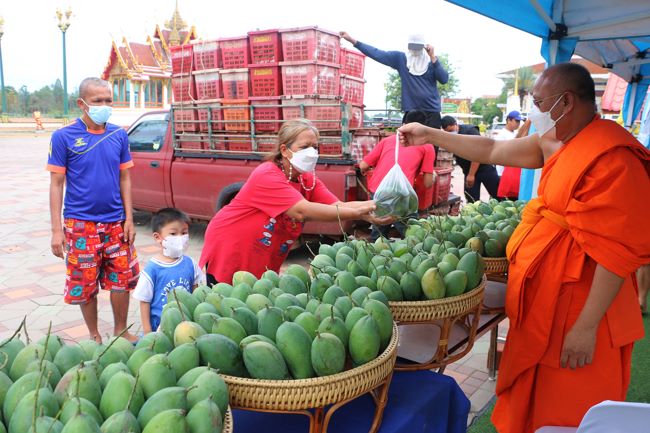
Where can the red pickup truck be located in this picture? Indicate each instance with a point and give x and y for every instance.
(199, 174)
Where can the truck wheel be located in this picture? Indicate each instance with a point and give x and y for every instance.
(227, 194)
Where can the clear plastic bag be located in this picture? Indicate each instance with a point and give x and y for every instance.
(395, 195)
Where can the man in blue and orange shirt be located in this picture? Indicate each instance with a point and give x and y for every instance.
(96, 237)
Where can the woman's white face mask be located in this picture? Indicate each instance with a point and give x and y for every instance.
(304, 160)
(542, 120)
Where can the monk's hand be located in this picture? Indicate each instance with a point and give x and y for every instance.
(413, 134)
(578, 347)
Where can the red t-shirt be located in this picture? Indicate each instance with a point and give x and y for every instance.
(509, 183)
(252, 233)
(412, 159)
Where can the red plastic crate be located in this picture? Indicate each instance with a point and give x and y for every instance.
(216, 116)
(234, 52)
(208, 84)
(265, 80)
(442, 184)
(355, 116)
(185, 119)
(425, 195)
(236, 115)
(265, 46)
(193, 142)
(267, 113)
(182, 59)
(352, 63)
(235, 83)
(310, 43)
(267, 144)
(207, 55)
(183, 88)
(236, 143)
(363, 141)
(325, 113)
(310, 78)
(330, 146)
(352, 89)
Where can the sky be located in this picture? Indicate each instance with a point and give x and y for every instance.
(478, 48)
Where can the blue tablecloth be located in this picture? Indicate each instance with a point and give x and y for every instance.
(418, 402)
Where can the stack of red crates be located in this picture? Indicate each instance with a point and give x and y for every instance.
(282, 74)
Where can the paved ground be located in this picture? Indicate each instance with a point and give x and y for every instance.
(31, 278)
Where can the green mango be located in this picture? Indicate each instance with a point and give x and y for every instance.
(272, 276)
(241, 291)
(263, 287)
(51, 372)
(257, 301)
(156, 341)
(359, 295)
(135, 361)
(433, 285)
(29, 353)
(209, 384)
(294, 343)
(174, 397)
(320, 262)
(155, 374)
(203, 307)
(335, 325)
(332, 294)
(34, 403)
(187, 332)
(81, 423)
(411, 286)
(230, 328)
(184, 358)
(455, 282)
(365, 340)
(121, 422)
(45, 424)
(319, 285)
(383, 318)
(168, 421)
(300, 272)
(69, 356)
(205, 417)
(308, 321)
(54, 344)
(293, 311)
(285, 300)
(111, 370)
(170, 319)
(390, 288)
(327, 354)
(188, 378)
(119, 393)
(268, 321)
(264, 361)
(243, 277)
(222, 353)
(74, 405)
(292, 284)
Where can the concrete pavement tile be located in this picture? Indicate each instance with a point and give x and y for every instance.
(477, 362)
(76, 332)
(489, 385)
(460, 377)
(47, 300)
(18, 293)
(469, 390)
(474, 382)
(480, 399)
(480, 375)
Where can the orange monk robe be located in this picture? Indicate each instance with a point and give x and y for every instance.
(592, 207)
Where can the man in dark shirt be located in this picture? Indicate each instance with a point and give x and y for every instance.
(475, 173)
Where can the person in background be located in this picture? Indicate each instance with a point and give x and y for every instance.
(419, 70)
(91, 158)
(169, 269)
(256, 230)
(571, 302)
(508, 132)
(412, 159)
(475, 174)
(511, 177)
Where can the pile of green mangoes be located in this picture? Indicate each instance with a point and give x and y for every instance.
(272, 328)
(52, 387)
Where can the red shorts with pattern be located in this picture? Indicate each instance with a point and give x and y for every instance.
(97, 253)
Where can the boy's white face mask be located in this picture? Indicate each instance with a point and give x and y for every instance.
(173, 246)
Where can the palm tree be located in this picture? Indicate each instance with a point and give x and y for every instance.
(524, 80)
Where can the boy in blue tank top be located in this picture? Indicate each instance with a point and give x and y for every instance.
(167, 270)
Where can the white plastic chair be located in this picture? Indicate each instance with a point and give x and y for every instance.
(610, 417)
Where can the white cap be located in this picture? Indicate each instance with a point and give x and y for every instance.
(417, 38)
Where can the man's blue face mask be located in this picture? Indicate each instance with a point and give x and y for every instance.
(99, 114)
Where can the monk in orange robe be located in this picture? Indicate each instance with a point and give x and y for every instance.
(572, 296)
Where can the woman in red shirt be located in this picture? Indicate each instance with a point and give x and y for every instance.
(254, 232)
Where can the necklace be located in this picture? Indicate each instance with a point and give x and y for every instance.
(300, 180)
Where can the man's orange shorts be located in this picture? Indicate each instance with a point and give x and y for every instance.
(97, 253)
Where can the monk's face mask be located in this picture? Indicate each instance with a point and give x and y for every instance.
(542, 120)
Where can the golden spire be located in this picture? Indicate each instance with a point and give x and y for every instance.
(175, 25)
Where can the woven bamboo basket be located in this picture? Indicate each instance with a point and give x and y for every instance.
(302, 394)
(496, 265)
(428, 311)
(228, 422)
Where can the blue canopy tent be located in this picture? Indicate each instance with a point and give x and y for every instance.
(614, 34)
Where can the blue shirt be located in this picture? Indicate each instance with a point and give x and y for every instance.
(158, 278)
(419, 92)
(91, 163)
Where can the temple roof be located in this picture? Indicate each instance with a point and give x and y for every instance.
(139, 61)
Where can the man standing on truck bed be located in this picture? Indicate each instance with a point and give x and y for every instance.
(91, 158)
(420, 72)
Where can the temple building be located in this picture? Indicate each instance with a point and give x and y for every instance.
(140, 73)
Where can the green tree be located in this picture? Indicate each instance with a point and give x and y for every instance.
(487, 108)
(524, 79)
(393, 85)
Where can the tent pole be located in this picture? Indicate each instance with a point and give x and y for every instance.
(630, 108)
(543, 15)
(577, 30)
